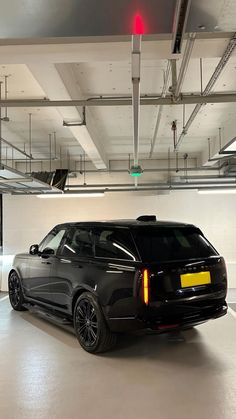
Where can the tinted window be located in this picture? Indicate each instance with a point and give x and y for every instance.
(53, 240)
(114, 244)
(156, 244)
(78, 243)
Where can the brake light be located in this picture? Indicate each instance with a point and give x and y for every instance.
(146, 286)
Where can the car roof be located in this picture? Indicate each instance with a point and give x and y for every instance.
(125, 223)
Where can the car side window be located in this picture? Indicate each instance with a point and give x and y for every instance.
(114, 244)
(52, 240)
(78, 243)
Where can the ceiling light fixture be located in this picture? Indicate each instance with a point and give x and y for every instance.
(229, 148)
(72, 195)
(217, 191)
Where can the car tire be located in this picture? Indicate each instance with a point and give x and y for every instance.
(16, 296)
(90, 325)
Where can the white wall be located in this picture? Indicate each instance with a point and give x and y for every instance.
(26, 220)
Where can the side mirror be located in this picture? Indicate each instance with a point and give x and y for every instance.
(47, 252)
(34, 249)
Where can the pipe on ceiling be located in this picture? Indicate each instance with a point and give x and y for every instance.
(155, 170)
(148, 100)
(145, 100)
(184, 64)
(160, 110)
(179, 25)
(16, 149)
(156, 187)
(208, 182)
(218, 70)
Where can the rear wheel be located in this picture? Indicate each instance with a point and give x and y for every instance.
(15, 292)
(90, 326)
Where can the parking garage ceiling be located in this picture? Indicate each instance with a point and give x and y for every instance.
(58, 54)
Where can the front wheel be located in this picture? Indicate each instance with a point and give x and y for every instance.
(90, 326)
(15, 292)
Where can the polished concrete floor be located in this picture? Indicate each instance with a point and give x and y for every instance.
(45, 374)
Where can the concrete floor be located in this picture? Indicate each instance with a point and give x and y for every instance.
(45, 374)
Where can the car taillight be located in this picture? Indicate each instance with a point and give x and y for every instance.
(146, 288)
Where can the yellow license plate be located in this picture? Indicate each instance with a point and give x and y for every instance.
(193, 280)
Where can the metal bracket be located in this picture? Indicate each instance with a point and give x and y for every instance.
(76, 124)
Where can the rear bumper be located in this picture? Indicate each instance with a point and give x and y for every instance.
(170, 316)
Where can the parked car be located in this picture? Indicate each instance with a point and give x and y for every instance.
(115, 276)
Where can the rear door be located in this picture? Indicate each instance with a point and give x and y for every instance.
(38, 283)
(73, 266)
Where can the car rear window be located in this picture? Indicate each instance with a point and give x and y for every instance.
(114, 243)
(160, 244)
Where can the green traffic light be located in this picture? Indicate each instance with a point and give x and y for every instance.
(135, 174)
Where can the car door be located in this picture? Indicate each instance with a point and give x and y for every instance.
(41, 265)
(73, 266)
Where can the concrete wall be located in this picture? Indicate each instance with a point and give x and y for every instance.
(28, 219)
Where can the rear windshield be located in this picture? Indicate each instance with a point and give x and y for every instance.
(159, 244)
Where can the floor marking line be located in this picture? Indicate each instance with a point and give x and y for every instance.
(232, 312)
(4, 298)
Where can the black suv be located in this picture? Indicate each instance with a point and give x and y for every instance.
(116, 276)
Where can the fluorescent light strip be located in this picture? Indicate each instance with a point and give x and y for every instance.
(72, 195)
(231, 147)
(216, 191)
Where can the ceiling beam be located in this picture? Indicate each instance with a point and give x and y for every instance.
(54, 88)
(88, 52)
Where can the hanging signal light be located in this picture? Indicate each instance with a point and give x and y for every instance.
(138, 27)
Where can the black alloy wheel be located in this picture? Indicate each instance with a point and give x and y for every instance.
(15, 292)
(87, 322)
(90, 326)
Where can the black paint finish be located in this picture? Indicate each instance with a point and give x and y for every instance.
(55, 281)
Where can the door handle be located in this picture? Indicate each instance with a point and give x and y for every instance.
(46, 263)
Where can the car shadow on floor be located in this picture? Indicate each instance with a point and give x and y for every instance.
(62, 333)
(191, 351)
